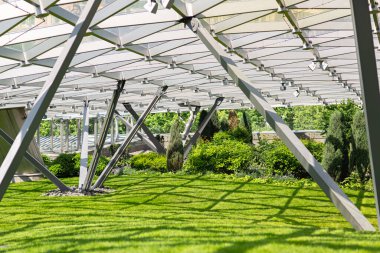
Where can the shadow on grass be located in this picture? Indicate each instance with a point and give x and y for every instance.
(178, 212)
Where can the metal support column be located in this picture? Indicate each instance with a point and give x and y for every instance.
(52, 134)
(27, 131)
(116, 129)
(311, 165)
(198, 133)
(190, 122)
(84, 149)
(141, 136)
(41, 167)
(112, 131)
(96, 129)
(160, 149)
(120, 151)
(39, 138)
(79, 134)
(67, 135)
(370, 88)
(103, 135)
(61, 136)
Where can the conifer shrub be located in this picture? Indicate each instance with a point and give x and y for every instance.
(246, 123)
(359, 155)
(174, 153)
(335, 155)
(233, 120)
(212, 127)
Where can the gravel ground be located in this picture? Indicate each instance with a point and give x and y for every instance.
(75, 192)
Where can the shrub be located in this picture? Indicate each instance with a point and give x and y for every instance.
(233, 120)
(57, 170)
(246, 124)
(219, 156)
(359, 155)
(67, 163)
(46, 159)
(148, 161)
(242, 134)
(212, 126)
(278, 159)
(335, 155)
(174, 153)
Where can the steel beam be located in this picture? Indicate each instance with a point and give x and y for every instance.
(159, 148)
(198, 133)
(96, 130)
(190, 122)
(84, 149)
(103, 135)
(61, 136)
(67, 135)
(25, 136)
(41, 167)
(141, 136)
(311, 165)
(370, 88)
(79, 134)
(120, 151)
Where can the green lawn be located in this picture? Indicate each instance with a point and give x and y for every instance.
(177, 213)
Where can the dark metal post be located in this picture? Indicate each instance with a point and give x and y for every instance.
(370, 88)
(198, 133)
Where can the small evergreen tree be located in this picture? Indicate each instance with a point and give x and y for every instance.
(233, 120)
(246, 123)
(359, 155)
(174, 153)
(212, 126)
(335, 151)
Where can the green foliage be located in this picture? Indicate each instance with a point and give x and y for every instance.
(68, 165)
(233, 120)
(335, 155)
(359, 155)
(241, 134)
(162, 122)
(221, 155)
(148, 161)
(278, 159)
(46, 159)
(224, 124)
(212, 126)
(174, 153)
(246, 124)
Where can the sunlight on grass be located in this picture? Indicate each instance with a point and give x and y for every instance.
(177, 213)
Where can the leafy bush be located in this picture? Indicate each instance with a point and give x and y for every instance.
(359, 155)
(57, 170)
(242, 134)
(233, 120)
(246, 124)
(222, 155)
(67, 163)
(212, 126)
(278, 159)
(46, 159)
(335, 156)
(174, 153)
(148, 161)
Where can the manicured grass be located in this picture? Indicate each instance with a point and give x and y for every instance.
(177, 213)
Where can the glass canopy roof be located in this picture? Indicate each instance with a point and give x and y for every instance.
(295, 52)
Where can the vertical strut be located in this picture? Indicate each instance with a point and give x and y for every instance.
(103, 135)
(190, 122)
(120, 151)
(160, 149)
(84, 149)
(370, 88)
(198, 133)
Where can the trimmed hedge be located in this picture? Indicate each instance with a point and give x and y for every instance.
(148, 161)
(222, 155)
